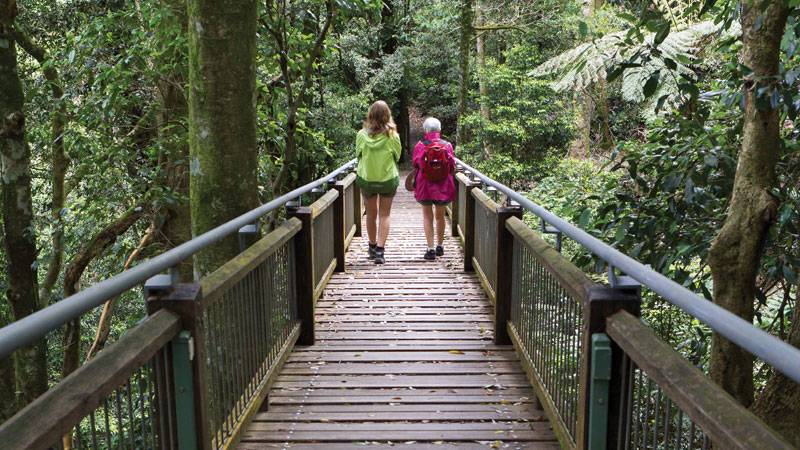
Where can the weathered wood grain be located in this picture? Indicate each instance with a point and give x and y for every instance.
(727, 423)
(58, 410)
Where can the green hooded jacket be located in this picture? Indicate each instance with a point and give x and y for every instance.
(377, 156)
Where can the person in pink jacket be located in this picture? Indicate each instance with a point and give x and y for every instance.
(433, 195)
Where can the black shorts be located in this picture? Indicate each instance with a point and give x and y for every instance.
(433, 202)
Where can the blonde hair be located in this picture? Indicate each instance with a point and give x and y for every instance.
(379, 120)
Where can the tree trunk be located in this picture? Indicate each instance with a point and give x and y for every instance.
(177, 226)
(222, 120)
(465, 44)
(735, 255)
(19, 237)
(779, 402)
(484, 92)
(60, 160)
(586, 107)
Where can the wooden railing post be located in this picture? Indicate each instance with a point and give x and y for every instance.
(193, 419)
(601, 302)
(357, 210)
(304, 273)
(339, 232)
(454, 207)
(504, 262)
(468, 228)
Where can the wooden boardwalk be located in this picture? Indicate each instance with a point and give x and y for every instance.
(404, 358)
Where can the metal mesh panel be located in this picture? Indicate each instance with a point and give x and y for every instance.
(244, 332)
(486, 243)
(323, 243)
(651, 419)
(549, 324)
(129, 417)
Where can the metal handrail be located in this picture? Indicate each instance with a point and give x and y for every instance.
(775, 352)
(28, 329)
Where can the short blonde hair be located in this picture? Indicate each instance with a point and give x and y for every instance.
(431, 125)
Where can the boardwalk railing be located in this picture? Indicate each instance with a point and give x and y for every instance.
(198, 368)
(602, 376)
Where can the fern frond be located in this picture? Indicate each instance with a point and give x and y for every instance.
(582, 66)
(675, 11)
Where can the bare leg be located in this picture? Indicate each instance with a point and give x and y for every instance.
(440, 224)
(427, 222)
(372, 217)
(383, 229)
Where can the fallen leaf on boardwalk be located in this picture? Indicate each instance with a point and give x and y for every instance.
(496, 444)
(438, 442)
(456, 352)
(324, 420)
(397, 398)
(505, 402)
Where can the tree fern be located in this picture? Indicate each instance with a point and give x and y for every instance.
(582, 66)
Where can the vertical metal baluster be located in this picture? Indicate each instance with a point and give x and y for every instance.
(647, 411)
(259, 321)
(120, 429)
(251, 315)
(218, 366)
(131, 422)
(227, 350)
(93, 426)
(170, 410)
(142, 404)
(245, 314)
(108, 427)
(629, 407)
(638, 419)
(679, 430)
(705, 441)
(269, 293)
(657, 415)
(667, 420)
(238, 349)
(78, 440)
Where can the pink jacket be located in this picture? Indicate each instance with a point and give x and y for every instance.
(443, 190)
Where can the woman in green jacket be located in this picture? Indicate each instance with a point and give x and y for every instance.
(378, 150)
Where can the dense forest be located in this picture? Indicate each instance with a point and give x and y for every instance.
(665, 127)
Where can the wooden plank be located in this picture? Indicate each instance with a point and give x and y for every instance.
(497, 414)
(402, 381)
(399, 400)
(311, 368)
(404, 334)
(58, 410)
(315, 410)
(727, 423)
(323, 203)
(405, 435)
(439, 445)
(375, 426)
(404, 347)
(403, 356)
(487, 395)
